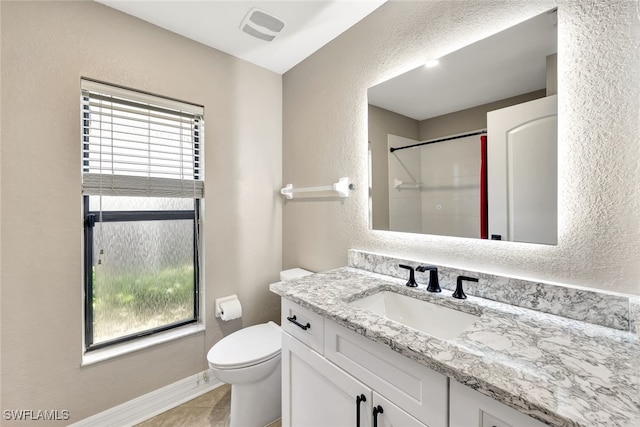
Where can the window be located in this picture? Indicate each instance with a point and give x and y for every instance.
(141, 188)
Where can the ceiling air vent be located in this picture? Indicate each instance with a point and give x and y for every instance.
(261, 24)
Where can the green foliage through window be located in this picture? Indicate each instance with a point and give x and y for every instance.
(126, 303)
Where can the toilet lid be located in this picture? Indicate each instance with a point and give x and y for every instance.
(246, 347)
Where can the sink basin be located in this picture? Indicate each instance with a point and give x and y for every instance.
(435, 320)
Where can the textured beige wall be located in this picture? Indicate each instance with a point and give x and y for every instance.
(46, 48)
(325, 137)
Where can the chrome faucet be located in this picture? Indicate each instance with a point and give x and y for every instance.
(434, 284)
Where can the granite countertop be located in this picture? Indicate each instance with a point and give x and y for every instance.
(559, 371)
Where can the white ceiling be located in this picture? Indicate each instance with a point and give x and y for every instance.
(309, 24)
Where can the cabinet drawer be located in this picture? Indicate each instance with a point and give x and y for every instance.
(303, 324)
(418, 390)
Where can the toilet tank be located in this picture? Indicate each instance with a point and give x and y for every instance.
(293, 273)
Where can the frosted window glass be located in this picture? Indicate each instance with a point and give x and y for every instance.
(143, 276)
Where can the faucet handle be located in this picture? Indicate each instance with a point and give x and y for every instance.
(412, 278)
(434, 284)
(459, 292)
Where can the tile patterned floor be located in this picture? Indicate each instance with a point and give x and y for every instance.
(209, 410)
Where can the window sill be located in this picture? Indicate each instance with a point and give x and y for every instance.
(101, 355)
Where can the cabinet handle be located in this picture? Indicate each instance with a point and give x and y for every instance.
(293, 320)
(377, 410)
(359, 399)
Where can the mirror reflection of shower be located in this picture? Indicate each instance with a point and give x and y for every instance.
(434, 188)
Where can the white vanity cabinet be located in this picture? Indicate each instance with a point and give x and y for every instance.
(471, 408)
(316, 393)
(327, 369)
(323, 379)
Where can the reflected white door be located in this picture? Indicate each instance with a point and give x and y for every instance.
(522, 171)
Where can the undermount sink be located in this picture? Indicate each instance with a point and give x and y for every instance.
(435, 320)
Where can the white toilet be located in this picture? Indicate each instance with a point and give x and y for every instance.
(249, 360)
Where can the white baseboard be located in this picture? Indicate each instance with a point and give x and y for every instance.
(151, 404)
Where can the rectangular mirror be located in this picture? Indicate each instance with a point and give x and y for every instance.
(466, 146)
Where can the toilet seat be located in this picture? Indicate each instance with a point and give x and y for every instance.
(246, 347)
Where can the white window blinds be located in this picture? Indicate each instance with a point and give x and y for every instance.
(135, 144)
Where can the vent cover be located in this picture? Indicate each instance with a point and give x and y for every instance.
(261, 24)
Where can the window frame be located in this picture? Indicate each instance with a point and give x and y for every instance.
(91, 218)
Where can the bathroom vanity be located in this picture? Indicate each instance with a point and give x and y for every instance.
(346, 362)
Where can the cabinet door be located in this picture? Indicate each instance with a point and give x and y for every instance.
(470, 408)
(391, 415)
(316, 393)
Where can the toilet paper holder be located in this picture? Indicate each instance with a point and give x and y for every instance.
(222, 300)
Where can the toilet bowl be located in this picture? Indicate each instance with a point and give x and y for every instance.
(249, 360)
